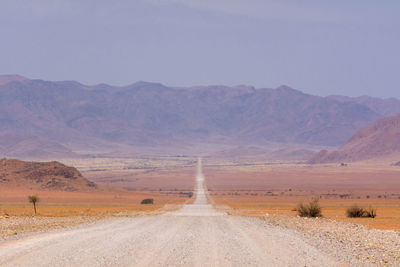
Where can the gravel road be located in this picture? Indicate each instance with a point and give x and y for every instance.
(196, 235)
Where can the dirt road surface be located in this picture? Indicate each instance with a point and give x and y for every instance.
(196, 235)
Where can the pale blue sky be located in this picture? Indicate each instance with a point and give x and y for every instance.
(320, 47)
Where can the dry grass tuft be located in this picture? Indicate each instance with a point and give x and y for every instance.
(358, 212)
(312, 209)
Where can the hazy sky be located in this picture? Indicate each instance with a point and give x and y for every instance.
(321, 47)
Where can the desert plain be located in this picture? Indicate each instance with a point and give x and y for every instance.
(276, 188)
(239, 187)
(121, 188)
(249, 196)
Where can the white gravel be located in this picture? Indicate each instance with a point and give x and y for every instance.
(350, 243)
(196, 235)
(12, 226)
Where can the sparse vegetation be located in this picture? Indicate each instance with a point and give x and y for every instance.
(188, 194)
(355, 212)
(371, 212)
(147, 201)
(33, 199)
(358, 212)
(312, 209)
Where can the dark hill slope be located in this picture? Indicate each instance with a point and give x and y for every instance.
(380, 139)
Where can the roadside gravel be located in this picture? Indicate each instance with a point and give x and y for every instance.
(351, 243)
(12, 226)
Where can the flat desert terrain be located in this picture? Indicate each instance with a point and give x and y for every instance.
(259, 188)
(198, 234)
(123, 183)
(241, 213)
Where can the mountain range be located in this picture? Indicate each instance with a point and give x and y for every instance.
(75, 117)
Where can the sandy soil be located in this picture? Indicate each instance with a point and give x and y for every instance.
(199, 235)
(140, 173)
(166, 180)
(260, 188)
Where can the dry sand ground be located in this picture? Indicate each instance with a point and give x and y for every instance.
(167, 180)
(276, 189)
(201, 236)
(62, 209)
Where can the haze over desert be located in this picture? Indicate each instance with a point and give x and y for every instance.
(199, 133)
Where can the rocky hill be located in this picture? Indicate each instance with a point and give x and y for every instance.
(42, 175)
(380, 139)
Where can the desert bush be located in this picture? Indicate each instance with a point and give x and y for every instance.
(147, 201)
(355, 212)
(370, 212)
(358, 212)
(312, 209)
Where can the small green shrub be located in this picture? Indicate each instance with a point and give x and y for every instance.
(147, 201)
(312, 209)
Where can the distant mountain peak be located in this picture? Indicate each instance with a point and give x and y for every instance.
(144, 83)
(382, 106)
(4, 79)
(288, 89)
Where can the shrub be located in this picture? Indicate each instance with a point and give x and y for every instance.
(355, 212)
(312, 209)
(370, 212)
(358, 212)
(147, 201)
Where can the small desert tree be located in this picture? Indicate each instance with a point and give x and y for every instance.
(33, 199)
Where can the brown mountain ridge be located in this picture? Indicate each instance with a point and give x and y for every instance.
(380, 139)
(151, 115)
